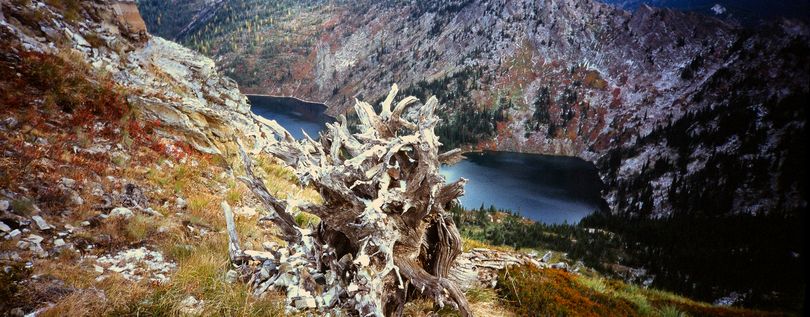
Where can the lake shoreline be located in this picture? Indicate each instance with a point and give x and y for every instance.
(551, 189)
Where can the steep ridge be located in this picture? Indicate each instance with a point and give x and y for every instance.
(693, 121)
(176, 87)
(558, 77)
(108, 186)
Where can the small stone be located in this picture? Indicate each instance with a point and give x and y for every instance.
(191, 306)
(122, 212)
(4, 204)
(76, 199)
(85, 223)
(23, 245)
(41, 223)
(35, 239)
(69, 183)
(153, 212)
(305, 302)
(4, 227)
(231, 276)
(259, 255)
(14, 234)
(181, 203)
(58, 243)
(96, 189)
(546, 257)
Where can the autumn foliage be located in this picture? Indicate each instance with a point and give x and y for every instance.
(550, 292)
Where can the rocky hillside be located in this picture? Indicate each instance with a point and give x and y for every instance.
(562, 77)
(176, 87)
(694, 121)
(115, 154)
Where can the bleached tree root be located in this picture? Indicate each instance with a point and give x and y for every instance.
(383, 230)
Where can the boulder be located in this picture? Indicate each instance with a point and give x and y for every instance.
(41, 223)
(121, 212)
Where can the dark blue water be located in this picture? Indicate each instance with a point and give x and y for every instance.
(550, 189)
(294, 115)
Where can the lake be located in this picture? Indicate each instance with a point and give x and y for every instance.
(297, 116)
(550, 189)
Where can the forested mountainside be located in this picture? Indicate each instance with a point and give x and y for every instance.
(117, 171)
(745, 11)
(693, 120)
(563, 77)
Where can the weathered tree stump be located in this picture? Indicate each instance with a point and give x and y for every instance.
(384, 206)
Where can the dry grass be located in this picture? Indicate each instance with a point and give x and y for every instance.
(468, 244)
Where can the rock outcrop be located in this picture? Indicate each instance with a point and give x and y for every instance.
(172, 86)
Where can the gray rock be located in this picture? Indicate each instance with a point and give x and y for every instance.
(546, 257)
(231, 276)
(191, 306)
(96, 189)
(4, 227)
(67, 182)
(58, 243)
(305, 302)
(75, 198)
(41, 223)
(133, 196)
(14, 234)
(4, 204)
(10, 122)
(152, 212)
(34, 239)
(122, 212)
(181, 203)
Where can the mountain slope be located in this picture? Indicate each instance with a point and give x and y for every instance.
(687, 116)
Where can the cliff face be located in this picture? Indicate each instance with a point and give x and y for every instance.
(573, 77)
(589, 63)
(128, 16)
(174, 86)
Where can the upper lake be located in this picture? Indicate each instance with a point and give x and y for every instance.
(550, 189)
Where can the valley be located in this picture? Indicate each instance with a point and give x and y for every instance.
(390, 158)
(690, 117)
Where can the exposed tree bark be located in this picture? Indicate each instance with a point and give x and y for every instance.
(383, 222)
(234, 249)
